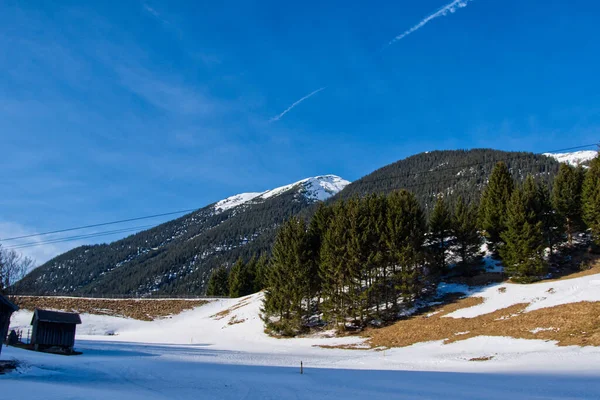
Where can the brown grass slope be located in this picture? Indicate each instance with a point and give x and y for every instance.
(140, 309)
(567, 324)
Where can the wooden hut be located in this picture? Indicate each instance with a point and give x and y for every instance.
(6, 310)
(54, 329)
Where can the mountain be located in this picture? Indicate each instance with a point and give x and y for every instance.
(177, 257)
(314, 189)
(576, 158)
(451, 173)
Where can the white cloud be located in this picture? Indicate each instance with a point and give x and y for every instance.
(287, 110)
(442, 12)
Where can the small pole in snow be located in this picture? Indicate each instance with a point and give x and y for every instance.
(301, 368)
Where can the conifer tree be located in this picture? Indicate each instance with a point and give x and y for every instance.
(238, 276)
(334, 261)
(464, 229)
(288, 288)
(374, 248)
(567, 199)
(316, 232)
(494, 200)
(522, 252)
(218, 283)
(532, 199)
(249, 283)
(440, 227)
(591, 199)
(260, 279)
(549, 218)
(405, 237)
(358, 259)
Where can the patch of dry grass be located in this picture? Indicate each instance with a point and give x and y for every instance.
(593, 270)
(235, 320)
(140, 309)
(483, 358)
(222, 314)
(568, 324)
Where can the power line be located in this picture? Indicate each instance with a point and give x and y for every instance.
(77, 237)
(406, 186)
(97, 225)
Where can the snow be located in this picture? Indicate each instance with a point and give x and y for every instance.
(540, 295)
(318, 188)
(538, 330)
(140, 371)
(235, 201)
(574, 158)
(220, 351)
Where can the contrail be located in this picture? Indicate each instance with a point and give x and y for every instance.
(442, 12)
(287, 110)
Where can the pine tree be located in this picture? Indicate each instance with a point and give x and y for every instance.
(249, 283)
(549, 217)
(492, 210)
(522, 253)
(218, 283)
(464, 229)
(358, 247)
(288, 283)
(567, 199)
(374, 248)
(591, 199)
(238, 277)
(316, 232)
(405, 237)
(260, 279)
(440, 227)
(334, 261)
(532, 199)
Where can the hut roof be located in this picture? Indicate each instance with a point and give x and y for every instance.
(56, 317)
(7, 303)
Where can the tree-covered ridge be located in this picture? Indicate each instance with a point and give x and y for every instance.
(173, 258)
(454, 173)
(177, 257)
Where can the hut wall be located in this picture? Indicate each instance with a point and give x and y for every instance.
(53, 334)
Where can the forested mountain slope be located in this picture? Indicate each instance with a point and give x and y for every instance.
(177, 257)
(451, 172)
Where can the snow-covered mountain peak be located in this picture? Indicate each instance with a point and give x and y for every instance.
(323, 187)
(574, 158)
(318, 188)
(235, 201)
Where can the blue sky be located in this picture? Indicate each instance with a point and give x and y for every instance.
(115, 109)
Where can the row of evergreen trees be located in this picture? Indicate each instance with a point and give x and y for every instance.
(363, 260)
(243, 278)
(524, 223)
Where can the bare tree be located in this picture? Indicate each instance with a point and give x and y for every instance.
(13, 267)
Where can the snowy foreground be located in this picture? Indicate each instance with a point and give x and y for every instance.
(219, 351)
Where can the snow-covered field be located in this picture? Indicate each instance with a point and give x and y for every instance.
(219, 351)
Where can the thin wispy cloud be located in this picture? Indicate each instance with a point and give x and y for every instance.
(159, 16)
(296, 103)
(442, 12)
